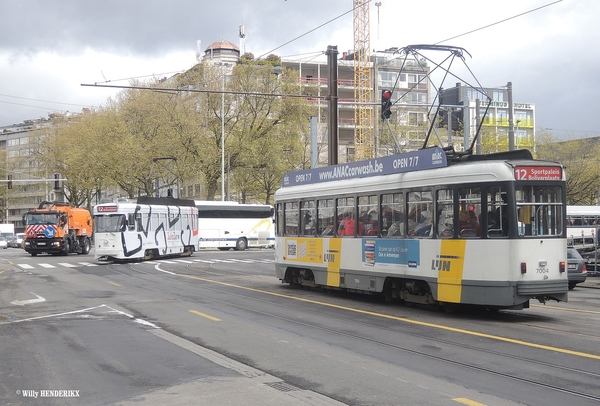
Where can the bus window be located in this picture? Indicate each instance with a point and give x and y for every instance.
(445, 210)
(325, 217)
(469, 217)
(368, 215)
(291, 218)
(420, 212)
(497, 215)
(393, 215)
(307, 215)
(346, 220)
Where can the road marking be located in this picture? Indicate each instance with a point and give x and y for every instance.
(47, 266)
(30, 301)
(157, 267)
(468, 402)
(67, 265)
(114, 283)
(87, 264)
(25, 266)
(204, 315)
(185, 261)
(405, 320)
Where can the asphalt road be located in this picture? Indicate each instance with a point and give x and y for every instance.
(219, 328)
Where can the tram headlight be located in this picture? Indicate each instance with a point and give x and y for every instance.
(523, 267)
(562, 266)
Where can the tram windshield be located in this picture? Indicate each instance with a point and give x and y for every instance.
(112, 223)
(539, 210)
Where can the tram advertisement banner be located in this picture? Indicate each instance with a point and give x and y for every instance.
(304, 250)
(428, 158)
(391, 253)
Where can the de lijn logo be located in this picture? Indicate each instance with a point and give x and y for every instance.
(49, 232)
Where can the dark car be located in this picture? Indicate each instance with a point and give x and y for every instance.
(575, 267)
(10, 241)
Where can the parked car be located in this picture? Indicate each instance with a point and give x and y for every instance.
(3, 243)
(19, 237)
(10, 241)
(576, 268)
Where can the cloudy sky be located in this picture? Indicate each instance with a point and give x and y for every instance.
(548, 49)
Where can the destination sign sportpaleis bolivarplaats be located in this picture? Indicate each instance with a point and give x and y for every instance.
(428, 158)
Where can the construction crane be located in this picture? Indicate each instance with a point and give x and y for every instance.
(363, 84)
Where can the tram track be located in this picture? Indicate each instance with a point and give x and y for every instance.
(395, 332)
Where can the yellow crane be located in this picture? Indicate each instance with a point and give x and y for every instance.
(363, 83)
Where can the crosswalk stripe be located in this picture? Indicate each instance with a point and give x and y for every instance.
(67, 265)
(47, 266)
(87, 264)
(25, 266)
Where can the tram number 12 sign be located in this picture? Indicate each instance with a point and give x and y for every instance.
(538, 173)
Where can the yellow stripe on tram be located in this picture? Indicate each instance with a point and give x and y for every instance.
(333, 257)
(450, 264)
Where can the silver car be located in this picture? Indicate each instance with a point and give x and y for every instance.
(575, 267)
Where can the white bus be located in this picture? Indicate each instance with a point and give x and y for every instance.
(583, 223)
(486, 230)
(149, 228)
(226, 225)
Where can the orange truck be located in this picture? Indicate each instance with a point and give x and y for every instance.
(58, 229)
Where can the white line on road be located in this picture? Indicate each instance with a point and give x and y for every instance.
(29, 301)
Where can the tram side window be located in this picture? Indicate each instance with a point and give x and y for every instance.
(307, 216)
(393, 215)
(540, 210)
(346, 220)
(291, 218)
(497, 215)
(469, 217)
(420, 214)
(280, 223)
(368, 215)
(445, 210)
(325, 217)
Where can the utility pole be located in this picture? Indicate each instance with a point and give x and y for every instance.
(511, 113)
(332, 84)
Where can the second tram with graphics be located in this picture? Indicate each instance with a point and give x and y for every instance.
(149, 228)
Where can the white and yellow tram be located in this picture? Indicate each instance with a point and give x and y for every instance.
(483, 230)
(149, 228)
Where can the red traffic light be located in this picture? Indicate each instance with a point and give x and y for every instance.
(386, 104)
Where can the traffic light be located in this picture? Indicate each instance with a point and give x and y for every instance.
(57, 181)
(9, 184)
(386, 104)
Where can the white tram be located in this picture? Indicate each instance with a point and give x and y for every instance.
(150, 228)
(484, 230)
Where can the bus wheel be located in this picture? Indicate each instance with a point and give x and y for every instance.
(241, 244)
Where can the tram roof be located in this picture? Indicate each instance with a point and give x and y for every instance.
(475, 168)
